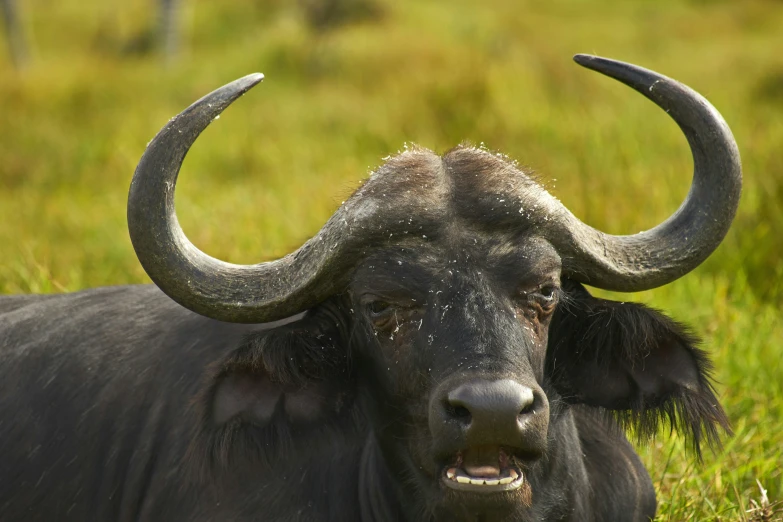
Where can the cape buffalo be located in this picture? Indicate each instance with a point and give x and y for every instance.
(431, 354)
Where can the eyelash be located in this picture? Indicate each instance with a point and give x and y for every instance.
(547, 295)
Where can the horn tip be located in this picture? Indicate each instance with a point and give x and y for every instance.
(581, 58)
(250, 81)
(591, 61)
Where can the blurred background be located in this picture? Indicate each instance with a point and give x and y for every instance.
(85, 84)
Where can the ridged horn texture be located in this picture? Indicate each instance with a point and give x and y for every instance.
(678, 245)
(208, 286)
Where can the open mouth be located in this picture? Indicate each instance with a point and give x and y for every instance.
(483, 469)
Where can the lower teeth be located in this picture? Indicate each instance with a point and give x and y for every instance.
(451, 473)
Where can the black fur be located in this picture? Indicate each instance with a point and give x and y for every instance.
(281, 468)
(596, 343)
(311, 352)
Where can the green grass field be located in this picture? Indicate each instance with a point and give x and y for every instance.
(268, 174)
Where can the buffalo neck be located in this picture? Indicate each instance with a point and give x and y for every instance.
(378, 501)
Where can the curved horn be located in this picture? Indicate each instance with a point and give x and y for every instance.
(682, 242)
(223, 291)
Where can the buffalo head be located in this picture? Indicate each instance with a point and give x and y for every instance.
(445, 312)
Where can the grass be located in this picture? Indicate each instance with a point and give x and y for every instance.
(269, 173)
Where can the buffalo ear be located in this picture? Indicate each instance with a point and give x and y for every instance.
(250, 397)
(278, 390)
(256, 399)
(634, 361)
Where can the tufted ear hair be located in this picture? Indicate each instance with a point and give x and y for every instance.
(284, 393)
(635, 362)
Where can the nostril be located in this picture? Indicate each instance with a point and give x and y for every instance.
(458, 412)
(461, 412)
(527, 401)
(527, 409)
(489, 404)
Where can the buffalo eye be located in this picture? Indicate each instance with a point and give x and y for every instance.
(378, 308)
(385, 315)
(547, 294)
(381, 313)
(539, 302)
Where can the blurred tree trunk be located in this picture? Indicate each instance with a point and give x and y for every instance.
(324, 15)
(168, 34)
(13, 33)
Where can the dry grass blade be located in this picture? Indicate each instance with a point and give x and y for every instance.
(763, 510)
